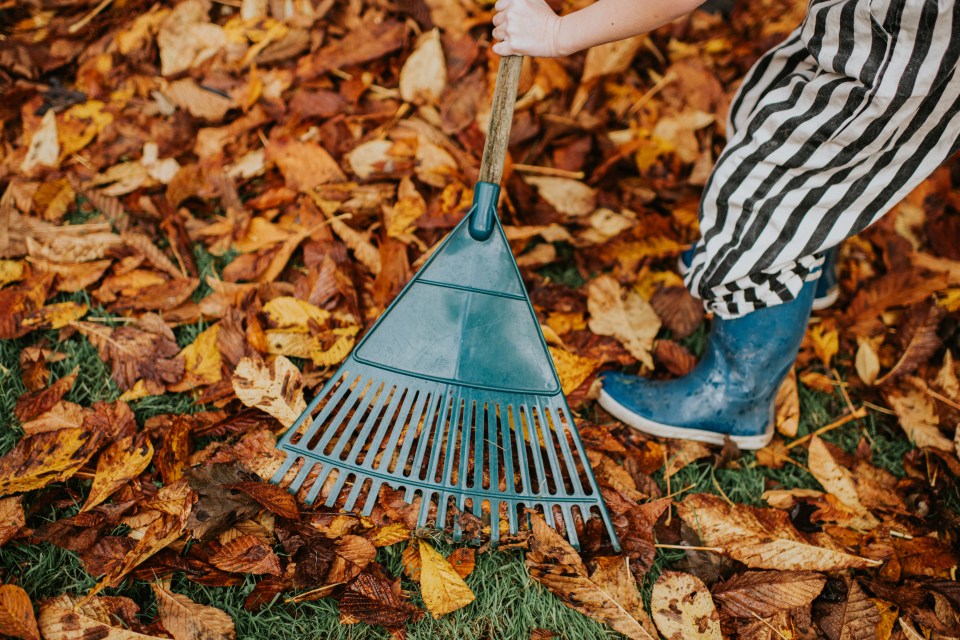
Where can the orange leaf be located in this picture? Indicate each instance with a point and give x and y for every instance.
(247, 554)
(16, 613)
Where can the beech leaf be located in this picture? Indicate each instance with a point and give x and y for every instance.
(682, 608)
(442, 587)
(16, 613)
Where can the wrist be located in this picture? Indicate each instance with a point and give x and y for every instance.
(562, 45)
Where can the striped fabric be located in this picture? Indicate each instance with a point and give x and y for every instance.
(828, 132)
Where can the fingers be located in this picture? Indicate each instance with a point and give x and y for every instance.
(503, 5)
(502, 49)
(499, 19)
(500, 33)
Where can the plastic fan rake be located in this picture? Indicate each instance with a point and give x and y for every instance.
(452, 396)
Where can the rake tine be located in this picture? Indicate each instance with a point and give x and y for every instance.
(445, 479)
(424, 508)
(556, 469)
(479, 435)
(409, 414)
(302, 475)
(434, 414)
(321, 480)
(560, 432)
(516, 436)
(534, 442)
(571, 530)
(374, 407)
(358, 395)
(285, 466)
(338, 487)
(381, 421)
(328, 408)
(493, 435)
(494, 521)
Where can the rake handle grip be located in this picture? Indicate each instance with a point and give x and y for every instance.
(487, 191)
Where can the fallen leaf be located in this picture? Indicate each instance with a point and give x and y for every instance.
(679, 311)
(119, 463)
(12, 518)
(614, 577)
(276, 388)
(764, 593)
(631, 320)
(917, 414)
(463, 560)
(424, 74)
(682, 608)
(68, 618)
(855, 618)
(53, 456)
(838, 480)
(62, 415)
(570, 197)
(247, 554)
(867, 362)
(442, 588)
(44, 147)
(304, 165)
(187, 620)
(553, 563)
(16, 613)
(920, 331)
(826, 343)
(373, 598)
(571, 368)
(788, 406)
(31, 406)
(763, 538)
(202, 362)
(275, 499)
(10, 271)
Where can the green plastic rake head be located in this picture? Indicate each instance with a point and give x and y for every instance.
(452, 396)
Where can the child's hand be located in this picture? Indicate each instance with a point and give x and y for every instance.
(526, 28)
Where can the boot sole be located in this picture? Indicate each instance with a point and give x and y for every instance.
(617, 410)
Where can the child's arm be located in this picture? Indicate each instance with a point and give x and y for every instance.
(531, 28)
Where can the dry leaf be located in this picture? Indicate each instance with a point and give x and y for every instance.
(276, 388)
(202, 362)
(187, 620)
(680, 312)
(33, 405)
(375, 599)
(763, 538)
(276, 499)
(16, 613)
(63, 415)
(867, 361)
(68, 618)
(682, 608)
(826, 343)
(12, 518)
(570, 197)
(571, 368)
(856, 618)
(44, 148)
(614, 577)
(247, 554)
(630, 320)
(917, 414)
(838, 481)
(463, 560)
(119, 463)
(442, 588)
(764, 593)
(39, 460)
(788, 405)
(424, 74)
(553, 563)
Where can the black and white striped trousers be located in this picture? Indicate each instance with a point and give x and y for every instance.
(828, 132)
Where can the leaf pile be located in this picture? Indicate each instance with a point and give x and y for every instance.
(204, 205)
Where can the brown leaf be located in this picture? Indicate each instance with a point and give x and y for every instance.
(119, 463)
(31, 405)
(12, 518)
(463, 560)
(16, 613)
(920, 335)
(682, 608)
(763, 538)
(271, 497)
(614, 576)
(370, 41)
(374, 598)
(917, 414)
(896, 289)
(146, 349)
(63, 415)
(17, 301)
(675, 357)
(856, 618)
(680, 312)
(219, 504)
(247, 554)
(187, 620)
(304, 165)
(765, 593)
(424, 74)
(839, 481)
(788, 405)
(553, 563)
(411, 561)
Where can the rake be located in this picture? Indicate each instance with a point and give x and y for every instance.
(452, 396)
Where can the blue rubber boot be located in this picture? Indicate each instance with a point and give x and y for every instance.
(732, 389)
(828, 289)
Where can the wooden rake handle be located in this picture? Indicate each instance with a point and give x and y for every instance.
(501, 117)
(487, 192)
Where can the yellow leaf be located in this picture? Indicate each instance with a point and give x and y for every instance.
(53, 199)
(55, 316)
(10, 271)
(569, 197)
(826, 343)
(16, 613)
(389, 535)
(400, 218)
(80, 124)
(682, 607)
(288, 312)
(44, 149)
(202, 361)
(788, 405)
(69, 618)
(838, 481)
(119, 463)
(442, 587)
(52, 456)
(276, 388)
(867, 361)
(572, 369)
(137, 391)
(261, 233)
